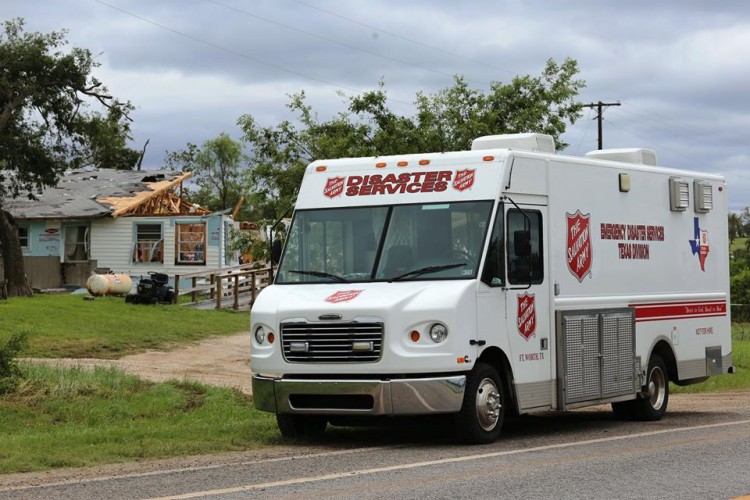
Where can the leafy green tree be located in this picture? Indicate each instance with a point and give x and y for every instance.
(105, 141)
(217, 168)
(447, 120)
(736, 229)
(47, 125)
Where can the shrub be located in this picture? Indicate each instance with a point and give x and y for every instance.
(10, 373)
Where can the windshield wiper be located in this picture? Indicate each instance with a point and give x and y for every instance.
(320, 274)
(426, 270)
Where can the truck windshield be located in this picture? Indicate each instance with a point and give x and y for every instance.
(387, 243)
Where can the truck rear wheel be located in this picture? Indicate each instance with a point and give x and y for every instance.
(301, 427)
(483, 410)
(654, 405)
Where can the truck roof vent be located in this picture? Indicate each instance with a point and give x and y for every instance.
(628, 155)
(541, 143)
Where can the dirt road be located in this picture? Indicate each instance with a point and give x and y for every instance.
(223, 361)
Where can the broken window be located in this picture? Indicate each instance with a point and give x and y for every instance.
(76, 243)
(149, 243)
(191, 243)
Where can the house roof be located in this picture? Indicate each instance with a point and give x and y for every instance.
(97, 193)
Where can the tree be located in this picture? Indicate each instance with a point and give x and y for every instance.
(736, 229)
(447, 120)
(47, 125)
(105, 139)
(217, 170)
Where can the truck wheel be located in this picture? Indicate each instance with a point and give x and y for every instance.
(654, 405)
(301, 427)
(483, 411)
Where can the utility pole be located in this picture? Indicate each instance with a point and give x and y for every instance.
(599, 105)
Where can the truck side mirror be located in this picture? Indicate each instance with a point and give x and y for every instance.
(275, 251)
(522, 243)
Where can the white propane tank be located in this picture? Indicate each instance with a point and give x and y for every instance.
(109, 284)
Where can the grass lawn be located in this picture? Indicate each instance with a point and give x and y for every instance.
(107, 327)
(71, 417)
(738, 244)
(740, 379)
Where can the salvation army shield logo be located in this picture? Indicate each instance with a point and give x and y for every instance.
(334, 187)
(464, 179)
(526, 315)
(578, 254)
(343, 296)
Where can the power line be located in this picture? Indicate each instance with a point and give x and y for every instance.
(237, 53)
(407, 39)
(321, 37)
(583, 136)
(600, 115)
(691, 129)
(651, 142)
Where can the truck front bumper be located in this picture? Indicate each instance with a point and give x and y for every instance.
(416, 396)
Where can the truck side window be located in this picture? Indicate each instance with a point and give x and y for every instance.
(493, 273)
(525, 247)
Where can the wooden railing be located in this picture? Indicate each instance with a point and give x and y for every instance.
(236, 284)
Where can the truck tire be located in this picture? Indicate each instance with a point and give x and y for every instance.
(483, 410)
(301, 427)
(654, 405)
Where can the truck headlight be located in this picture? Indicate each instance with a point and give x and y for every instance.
(260, 334)
(438, 332)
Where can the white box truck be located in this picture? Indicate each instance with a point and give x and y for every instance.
(506, 278)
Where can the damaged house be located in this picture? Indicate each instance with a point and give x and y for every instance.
(129, 222)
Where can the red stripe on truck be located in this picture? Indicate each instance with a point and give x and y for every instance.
(679, 310)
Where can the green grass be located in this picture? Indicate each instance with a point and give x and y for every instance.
(740, 379)
(72, 417)
(738, 244)
(107, 327)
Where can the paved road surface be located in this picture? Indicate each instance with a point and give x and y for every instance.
(700, 450)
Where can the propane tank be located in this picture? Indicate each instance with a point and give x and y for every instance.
(109, 284)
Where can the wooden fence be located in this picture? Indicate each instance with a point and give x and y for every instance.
(228, 287)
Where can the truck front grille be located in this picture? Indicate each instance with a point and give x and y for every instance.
(332, 342)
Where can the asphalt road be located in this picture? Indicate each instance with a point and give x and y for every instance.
(701, 449)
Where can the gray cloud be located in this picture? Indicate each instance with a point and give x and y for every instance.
(193, 67)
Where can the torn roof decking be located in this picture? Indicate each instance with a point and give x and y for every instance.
(103, 193)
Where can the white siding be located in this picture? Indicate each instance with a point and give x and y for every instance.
(112, 243)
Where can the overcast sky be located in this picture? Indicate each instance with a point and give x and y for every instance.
(680, 68)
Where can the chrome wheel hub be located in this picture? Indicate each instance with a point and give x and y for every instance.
(657, 387)
(488, 404)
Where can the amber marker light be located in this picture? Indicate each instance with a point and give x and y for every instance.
(321, 168)
(271, 337)
(402, 163)
(488, 158)
(414, 336)
(381, 165)
(424, 162)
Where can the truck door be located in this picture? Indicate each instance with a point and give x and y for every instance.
(527, 298)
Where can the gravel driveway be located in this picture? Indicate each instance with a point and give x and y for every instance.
(223, 361)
